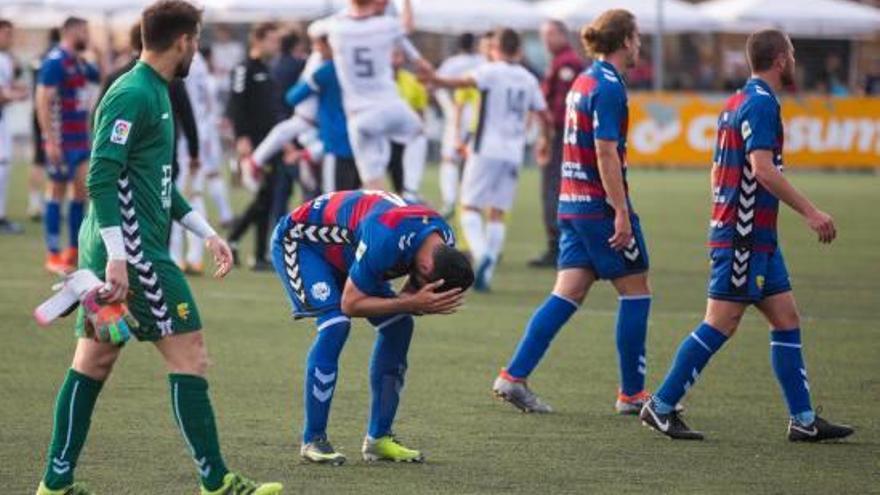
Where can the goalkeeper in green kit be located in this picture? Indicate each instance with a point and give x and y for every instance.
(124, 241)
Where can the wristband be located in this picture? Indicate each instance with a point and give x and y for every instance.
(196, 223)
(113, 242)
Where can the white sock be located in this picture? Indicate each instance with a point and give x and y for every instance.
(414, 156)
(328, 173)
(194, 244)
(217, 189)
(4, 186)
(472, 226)
(35, 202)
(448, 183)
(494, 242)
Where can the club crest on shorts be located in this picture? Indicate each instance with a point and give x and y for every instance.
(320, 291)
(121, 131)
(183, 311)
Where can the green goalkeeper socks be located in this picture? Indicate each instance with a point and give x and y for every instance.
(73, 415)
(195, 418)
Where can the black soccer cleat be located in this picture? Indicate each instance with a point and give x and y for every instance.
(669, 424)
(818, 431)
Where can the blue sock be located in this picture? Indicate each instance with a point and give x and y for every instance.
(692, 356)
(322, 365)
(632, 329)
(788, 364)
(544, 325)
(387, 371)
(74, 220)
(52, 225)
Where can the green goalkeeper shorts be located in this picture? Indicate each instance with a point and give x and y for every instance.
(160, 300)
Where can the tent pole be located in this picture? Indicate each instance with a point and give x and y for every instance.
(658, 49)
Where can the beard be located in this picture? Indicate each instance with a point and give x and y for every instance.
(787, 78)
(182, 69)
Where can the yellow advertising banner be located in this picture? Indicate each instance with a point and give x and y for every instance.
(678, 130)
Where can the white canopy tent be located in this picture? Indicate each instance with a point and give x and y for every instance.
(456, 16)
(807, 18)
(676, 15)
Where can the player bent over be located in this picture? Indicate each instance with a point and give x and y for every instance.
(335, 256)
(510, 94)
(126, 232)
(747, 263)
(601, 236)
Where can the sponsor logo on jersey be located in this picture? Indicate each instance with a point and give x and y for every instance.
(362, 248)
(121, 131)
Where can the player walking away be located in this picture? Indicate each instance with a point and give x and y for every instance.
(335, 256)
(600, 234)
(9, 92)
(63, 112)
(362, 39)
(253, 109)
(415, 153)
(451, 159)
(339, 172)
(565, 65)
(747, 263)
(37, 173)
(133, 202)
(509, 93)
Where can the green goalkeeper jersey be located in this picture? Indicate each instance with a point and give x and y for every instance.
(130, 176)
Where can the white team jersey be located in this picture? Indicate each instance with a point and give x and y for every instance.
(460, 64)
(199, 89)
(362, 49)
(509, 92)
(7, 73)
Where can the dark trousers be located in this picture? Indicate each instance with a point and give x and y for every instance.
(347, 177)
(395, 167)
(551, 176)
(258, 214)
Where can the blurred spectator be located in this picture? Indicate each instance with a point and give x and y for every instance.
(10, 91)
(564, 68)
(872, 79)
(833, 79)
(36, 177)
(288, 66)
(641, 75)
(253, 110)
(736, 79)
(227, 52)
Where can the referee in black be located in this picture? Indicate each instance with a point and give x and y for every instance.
(253, 110)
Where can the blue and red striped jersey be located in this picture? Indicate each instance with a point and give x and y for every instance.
(743, 212)
(380, 233)
(596, 109)
(70, 113)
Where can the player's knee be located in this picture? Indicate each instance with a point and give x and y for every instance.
(95, 360)
(189, 355)
(57, 190)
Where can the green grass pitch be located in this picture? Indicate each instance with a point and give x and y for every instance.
(473, 443)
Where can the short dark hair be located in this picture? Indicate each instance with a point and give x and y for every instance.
(135, 39)
(608, 32)
(5, 24)
(54, 36)
(72, 22)
(261, 30)
(508, 41)
(167, 20)
(289, 41)
(762, 48)
(466, 42)
(453, 267)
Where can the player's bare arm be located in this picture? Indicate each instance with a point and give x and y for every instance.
(356, 303)
(774, 181)
(44, 98)
(612, 180)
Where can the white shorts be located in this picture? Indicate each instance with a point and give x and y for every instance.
(210, 152)
(371, 131)
(447, 145)
(5, 143)
(489, 183)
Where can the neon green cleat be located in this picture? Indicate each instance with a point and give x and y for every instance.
(235, 484)
(387, 448)
(321, 452)
(74, 489)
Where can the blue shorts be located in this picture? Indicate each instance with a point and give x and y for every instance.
(583, 243)
(313, 285)
(66, 171)
(747, 276)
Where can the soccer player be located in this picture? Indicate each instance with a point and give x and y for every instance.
(458, 65)
(747, 263)
(362, 39)
(9, 92)
(63, 113)
(335, 256)
(600, 234)
(124, 240)
(37, 172)
(509, 93)
(414, 155)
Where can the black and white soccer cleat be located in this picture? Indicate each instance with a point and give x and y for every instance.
(818, 431)
(669, 424)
